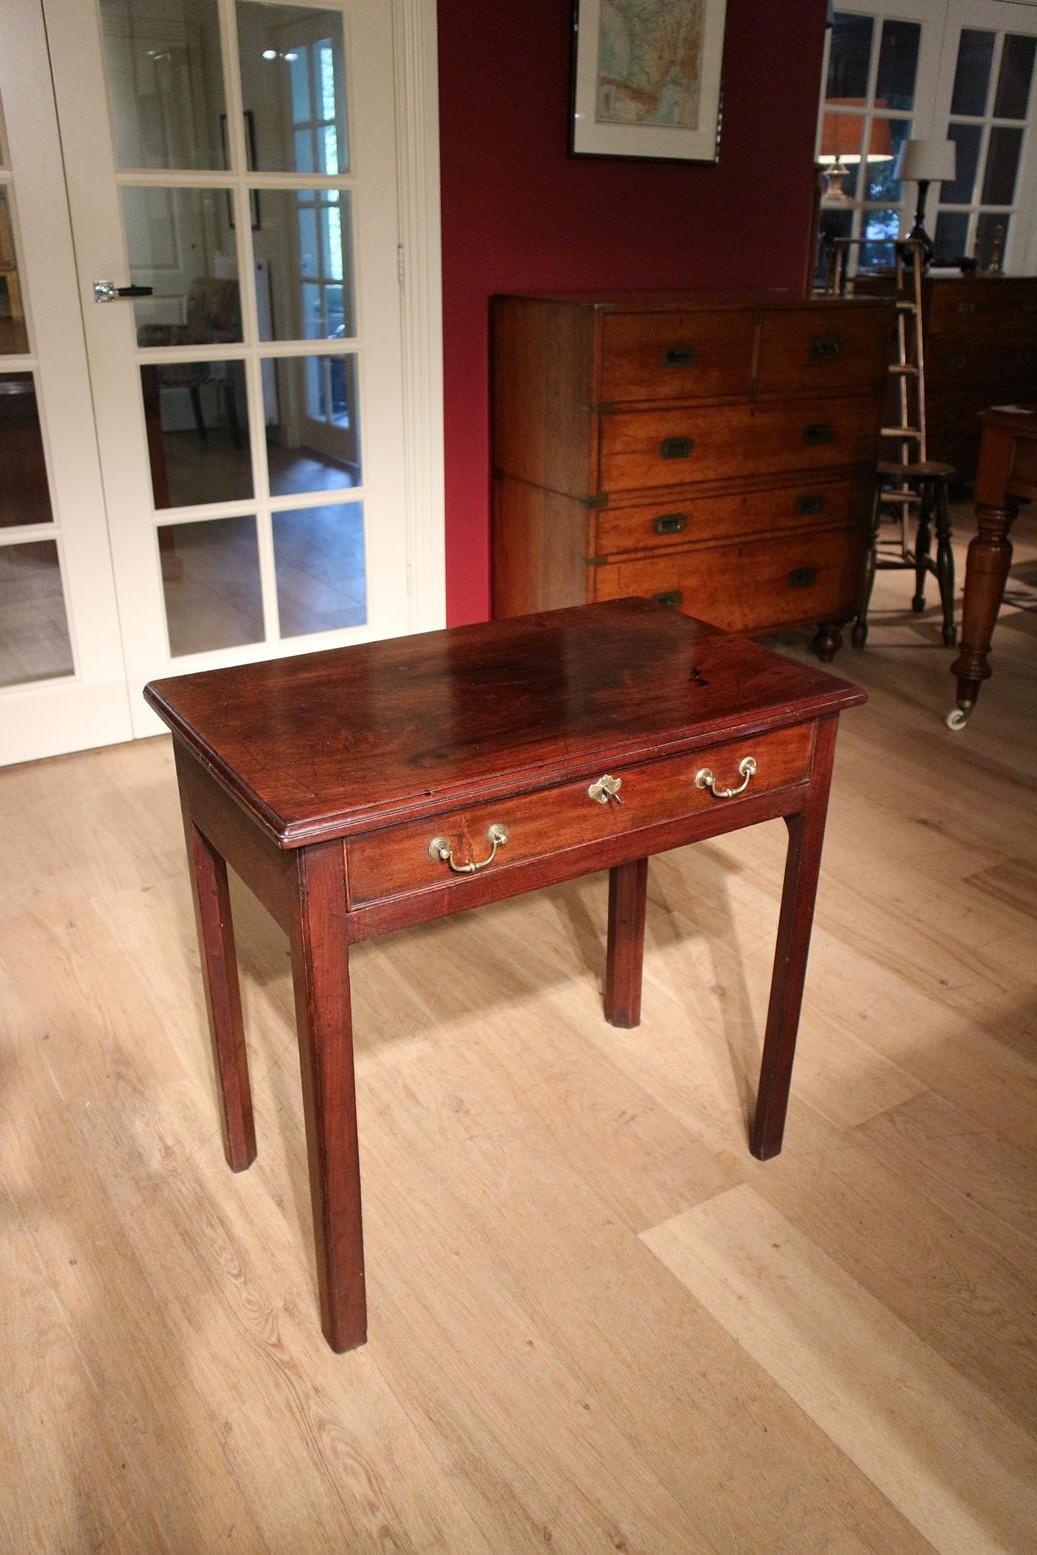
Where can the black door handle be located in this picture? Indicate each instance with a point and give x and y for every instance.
(107, 291)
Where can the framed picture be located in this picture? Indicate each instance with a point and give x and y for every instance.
(253, 194)
(646, 78)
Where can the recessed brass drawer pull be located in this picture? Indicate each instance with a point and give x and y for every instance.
(825, 350)
(704, 779)
(676, 448)
(439, 848)
(606, 788)
(819, 432)
(679, 356)
(670, 523)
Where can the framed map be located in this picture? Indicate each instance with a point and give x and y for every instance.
(646, 78)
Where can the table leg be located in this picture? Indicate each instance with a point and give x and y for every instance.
(802, 866)
(222, 996)
(628, 891)
(320, 972)
(986, 570)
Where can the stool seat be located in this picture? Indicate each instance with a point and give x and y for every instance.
(927, 470)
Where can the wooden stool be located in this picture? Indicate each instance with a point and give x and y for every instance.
(925, 485)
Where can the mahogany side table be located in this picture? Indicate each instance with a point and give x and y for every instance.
(369, 788)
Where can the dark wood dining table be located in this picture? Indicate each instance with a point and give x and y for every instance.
(1006, 477)
(374, 787)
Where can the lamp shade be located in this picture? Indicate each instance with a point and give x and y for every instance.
(926, 160)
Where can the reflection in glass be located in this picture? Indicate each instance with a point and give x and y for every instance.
(849, 56)
(1003, 150)
(842, 141)
(1013, 81)
(972, 73)
(835, 223)
(312, 423)
(24, 489)
(887, 136)
(319, 557)
(196, 414)
(304, 265)
(950, 237)
(165, 83)
(293, 80)
(34, 640)
(13, 335)
(210, 577)
(898, 64)
(966, 138)
(181, 243)
(879, 230)
(991, 234)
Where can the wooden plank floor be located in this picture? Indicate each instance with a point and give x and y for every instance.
(596, 1323)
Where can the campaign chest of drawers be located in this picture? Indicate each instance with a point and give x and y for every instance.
(714, 451)
(980, 339)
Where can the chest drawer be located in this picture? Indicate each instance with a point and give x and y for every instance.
(984, 310)
(748, 586)
(646, 449)
(676, 356)
(661, 525)
(397, 860)
(823, 349)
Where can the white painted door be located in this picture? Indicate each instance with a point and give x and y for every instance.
(62, 678)
(237, 159)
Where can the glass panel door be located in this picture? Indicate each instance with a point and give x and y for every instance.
(233, 163)
(62, 679)
(986, 98)
(880, 76)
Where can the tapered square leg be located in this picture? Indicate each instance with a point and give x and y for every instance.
(320, 972)
(628, 892)
(802, 866)
(222, 996)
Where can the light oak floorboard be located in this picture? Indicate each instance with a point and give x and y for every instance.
(596, 1323)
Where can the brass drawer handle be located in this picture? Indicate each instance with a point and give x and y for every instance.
(439, 848)
(819, 432)
(823, 350)
(606, 788)
(802, 577)
(679, 356)
(670, 523)
(705, 779)
(676, 448)
(965, 308)
(671, 599)
(809, 505)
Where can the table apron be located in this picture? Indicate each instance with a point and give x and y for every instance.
(421, 906)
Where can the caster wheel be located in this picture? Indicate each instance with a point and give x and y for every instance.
(956, 719)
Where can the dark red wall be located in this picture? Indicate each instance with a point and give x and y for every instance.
(520, 214)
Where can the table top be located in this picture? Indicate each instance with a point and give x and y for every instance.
(324, 744)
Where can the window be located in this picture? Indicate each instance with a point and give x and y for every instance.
(990, 98)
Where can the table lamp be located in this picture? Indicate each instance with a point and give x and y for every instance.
(841, 135)
(925, 162)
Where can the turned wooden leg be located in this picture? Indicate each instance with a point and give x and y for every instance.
(828, 641)
(320, 972)
(860, 627)
(923, 545)
(945, 563)
(986, 571)
(222, 996)
(628, 891)
(802, 864)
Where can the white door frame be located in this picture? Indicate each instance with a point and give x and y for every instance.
(91, 706)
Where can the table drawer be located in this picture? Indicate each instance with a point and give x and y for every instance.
(984, 309)
(835, 348)
(397, 860)
(813, 576)
(995, 363)
(645, 449)
(663, 525)
(676, 356)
